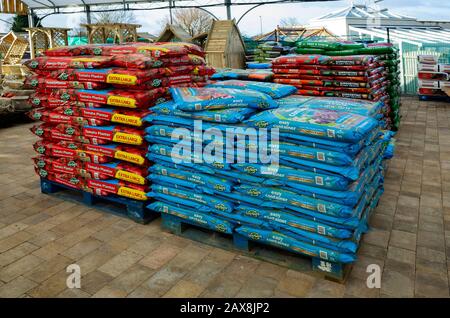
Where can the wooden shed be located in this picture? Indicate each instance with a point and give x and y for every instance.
(173, 33)
(225, 46)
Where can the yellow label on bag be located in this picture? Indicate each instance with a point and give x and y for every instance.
(130, 157)
(132, 193)
(123, 79)
(130, 177)
(127, 138)
(126, 119)
(121, 101)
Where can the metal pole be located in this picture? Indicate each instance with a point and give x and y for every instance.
(88, 14)
(30, 19)
(228, 6)
(260, 24)
(388, 35)
(170, 11)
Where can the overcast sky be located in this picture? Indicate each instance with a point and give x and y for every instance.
(270, 15)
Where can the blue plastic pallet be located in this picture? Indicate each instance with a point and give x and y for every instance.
(133, 209)
(434, 98)
(236, 242)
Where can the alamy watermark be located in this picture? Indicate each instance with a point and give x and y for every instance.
(230, 145)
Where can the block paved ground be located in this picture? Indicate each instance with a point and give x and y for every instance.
(40, 235)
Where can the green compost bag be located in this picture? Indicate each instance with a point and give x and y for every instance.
(301, 50)
(334, 46)
(343, 52)
(375, 50)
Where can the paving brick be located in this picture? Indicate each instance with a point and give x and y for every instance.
(432, 240)
(94, 281)
(48, 268)
(120, 263)
(207, 269)
(19, 267)
(184, 289)
(95, 259)
(160, 256)
(51, 287)
(109, 292)
(403, 239)
(50, 250)
(431, 285)
(377, 237)
(131, 278)
(258, 287)
(397, 284)
(16, 288)
(296, 283)
(82, 248)
(326, 289)
(73, 293)
(16, 253)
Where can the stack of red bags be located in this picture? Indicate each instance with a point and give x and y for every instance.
(359, 76)
(92, 99)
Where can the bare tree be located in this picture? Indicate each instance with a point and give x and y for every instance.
(120, 16)
(289, 21)
(105, 16)
(193, 21)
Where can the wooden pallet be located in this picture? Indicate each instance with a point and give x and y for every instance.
(133, 209)
(238, 243)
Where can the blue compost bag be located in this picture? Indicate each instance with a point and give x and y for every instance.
(290, 199)
(228, 115)
(198, 199)
(192, 216)
(197, 179)
(285, 175)
(192, 99)
(254, 65)
(317, 123)
(189, 157)
(355, 106)
(347, 197)
(272, 89)
(288, 243)
(339, 245)
(390, 149)
(292, 220)
(233, 176)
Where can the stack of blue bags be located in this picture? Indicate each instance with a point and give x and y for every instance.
(313, 192)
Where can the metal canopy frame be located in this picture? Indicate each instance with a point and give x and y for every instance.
(50, 7)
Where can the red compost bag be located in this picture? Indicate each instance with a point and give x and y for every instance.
(91, 170)
(140, 61)
(69, 180)
(168, 82)
(70, 150)
(129, 77)
(300, 60)
(431, 91)
(50, 83)
(56, 63)
(50, 117)
(100, 116)
(114, 97)
(42, 100)
(352, 60)
(118, 187)
(158, 49)
(298, 82)
(103, 134)
(56, 132)
(91, 152)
